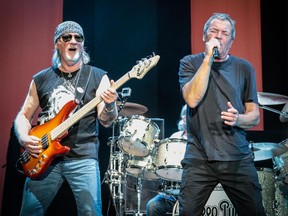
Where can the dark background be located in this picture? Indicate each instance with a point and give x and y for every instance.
(118, 33)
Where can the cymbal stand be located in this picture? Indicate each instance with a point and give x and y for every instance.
(285, 114)
(115, 174)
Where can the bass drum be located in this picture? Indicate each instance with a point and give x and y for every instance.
(281, 198)
(281, 195)
(267, 180)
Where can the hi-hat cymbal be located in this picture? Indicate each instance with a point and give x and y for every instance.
(262, 151)
(266, 98)
(130, 109)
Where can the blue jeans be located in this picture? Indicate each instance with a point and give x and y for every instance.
(160, 205)
(83, 176)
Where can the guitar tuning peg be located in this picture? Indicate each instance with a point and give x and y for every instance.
(140, 61)
(150, 56)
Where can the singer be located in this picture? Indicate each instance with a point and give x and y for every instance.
(222, 103)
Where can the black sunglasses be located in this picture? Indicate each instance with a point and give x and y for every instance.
(68, 37)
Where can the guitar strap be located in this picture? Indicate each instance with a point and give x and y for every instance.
(82, 83)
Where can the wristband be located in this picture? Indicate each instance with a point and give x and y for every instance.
(110, 107)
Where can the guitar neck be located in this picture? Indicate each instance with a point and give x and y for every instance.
(75, 117)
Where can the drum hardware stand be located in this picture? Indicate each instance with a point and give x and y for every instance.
(114, 175)
(139, 191)
(278, 166)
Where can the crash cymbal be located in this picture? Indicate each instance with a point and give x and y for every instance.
(266, 98)
(130, 109)
(262, 151)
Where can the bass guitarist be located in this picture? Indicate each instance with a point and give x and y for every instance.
(46, 162)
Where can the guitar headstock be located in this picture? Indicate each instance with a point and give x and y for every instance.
(143, 66)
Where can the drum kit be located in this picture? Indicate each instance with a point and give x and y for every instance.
(137, 152)
(271, 175)
(274, 177)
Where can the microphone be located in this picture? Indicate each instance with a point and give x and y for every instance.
(216, 53)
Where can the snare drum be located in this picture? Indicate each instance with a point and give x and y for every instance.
(138, 135)
(141, 167)
(168, 158)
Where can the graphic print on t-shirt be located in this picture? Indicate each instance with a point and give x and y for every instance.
(58, 98)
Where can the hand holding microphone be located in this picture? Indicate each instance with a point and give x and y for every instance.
(214, 44)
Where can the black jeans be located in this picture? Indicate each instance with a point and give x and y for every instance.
(239, 180)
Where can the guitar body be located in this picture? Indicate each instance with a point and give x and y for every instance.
(35, 167)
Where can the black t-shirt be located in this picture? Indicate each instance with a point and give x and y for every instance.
(208, 137)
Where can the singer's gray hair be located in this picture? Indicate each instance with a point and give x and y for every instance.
(221, 16)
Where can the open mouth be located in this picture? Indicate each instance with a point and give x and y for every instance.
(72, 49)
